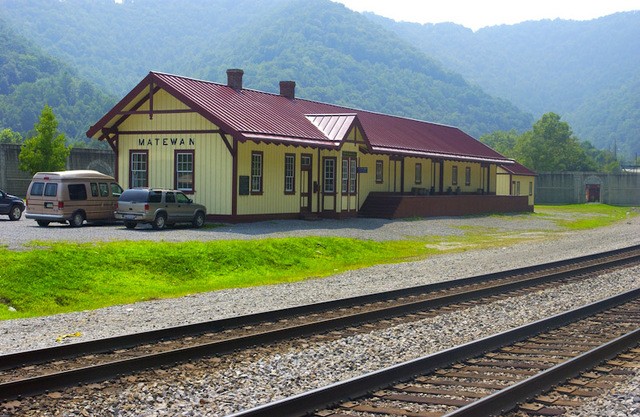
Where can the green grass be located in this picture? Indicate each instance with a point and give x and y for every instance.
(585, 216)
(50, 278)
(61, 277)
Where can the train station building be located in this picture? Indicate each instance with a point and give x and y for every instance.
(251, 155)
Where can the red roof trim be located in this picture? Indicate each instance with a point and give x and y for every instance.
(195, 106)
(118, 107)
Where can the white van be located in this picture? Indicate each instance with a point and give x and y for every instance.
(72, 197)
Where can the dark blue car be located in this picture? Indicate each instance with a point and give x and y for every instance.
(11, 206)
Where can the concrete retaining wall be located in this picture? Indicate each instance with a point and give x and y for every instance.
(571, 188)
(16, 182)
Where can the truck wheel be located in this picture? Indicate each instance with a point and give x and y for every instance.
(130, 225)
(159, 222)
(198, 219)
(77, 219)
(15, 213)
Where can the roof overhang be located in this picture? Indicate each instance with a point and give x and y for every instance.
(438, 155)
(287, 140)
(140, 94)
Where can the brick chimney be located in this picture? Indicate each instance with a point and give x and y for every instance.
(234, 78)
(288, 89)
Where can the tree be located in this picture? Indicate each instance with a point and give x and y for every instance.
(551, 146)
(47, 150)
(502, 142)
(9, 136)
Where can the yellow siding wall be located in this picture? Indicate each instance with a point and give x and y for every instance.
(273, 199)
(367, 181)
(492, 177)
(410, 173)
(213, 161)
(528, 188)
(505, 185)
(476, 176)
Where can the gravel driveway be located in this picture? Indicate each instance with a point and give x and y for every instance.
(16, 234)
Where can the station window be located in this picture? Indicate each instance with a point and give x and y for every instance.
(329, 175)
(289, 173)
(138, 169)
(515, 185)
(418, 173)
(353, 175)
(349, 174)
(530, 188)
(454, 175)
(467, 176)
(256, 172)
(379, 171)
(184, 170)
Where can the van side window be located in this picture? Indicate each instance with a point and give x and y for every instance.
(116, 190)
(36, 188)
(51, 189)
(104, 189)
(94, 189)
(170, 198)
(77, 192)
(155, 197)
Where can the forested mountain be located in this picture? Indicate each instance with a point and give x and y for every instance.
(586, 71)
(29, 79)
(333, 54)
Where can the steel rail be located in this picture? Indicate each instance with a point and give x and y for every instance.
(24, 358)
(509, 398)
(49, 382)
(321, 398)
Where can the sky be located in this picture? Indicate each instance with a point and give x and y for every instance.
(476, 14)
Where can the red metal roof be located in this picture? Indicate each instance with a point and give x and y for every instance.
(518, 169)
(255, 115)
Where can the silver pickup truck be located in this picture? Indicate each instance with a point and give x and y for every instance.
(160, 208)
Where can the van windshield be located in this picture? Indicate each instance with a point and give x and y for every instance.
(116, 190)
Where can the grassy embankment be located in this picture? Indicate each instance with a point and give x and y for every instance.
(54, 278)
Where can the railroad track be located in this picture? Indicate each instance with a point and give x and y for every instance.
(105, 359)
(512, 370)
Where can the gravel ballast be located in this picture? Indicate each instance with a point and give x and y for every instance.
(250, 379)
